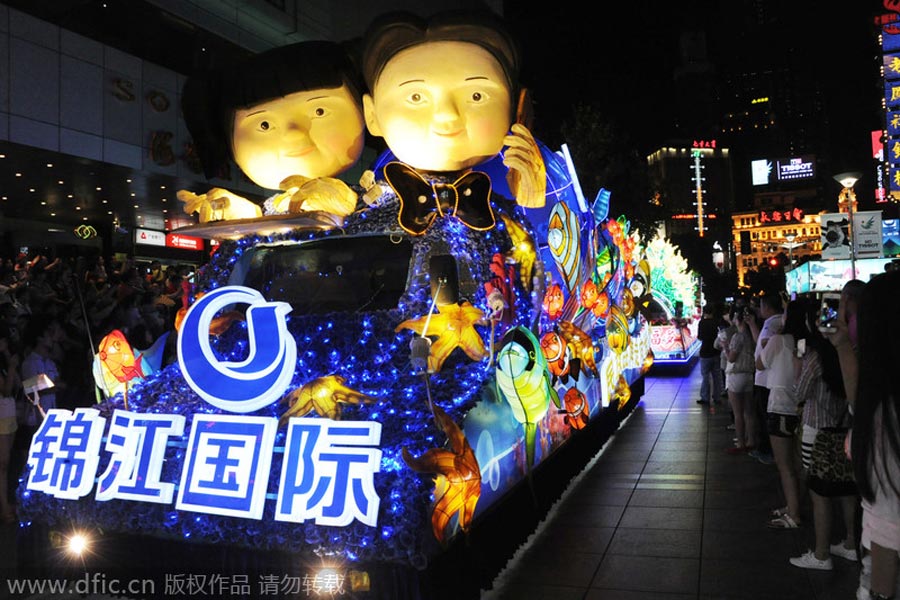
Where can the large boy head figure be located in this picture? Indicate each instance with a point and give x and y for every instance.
(442, 91)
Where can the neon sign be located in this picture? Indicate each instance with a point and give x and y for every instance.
(794, 215)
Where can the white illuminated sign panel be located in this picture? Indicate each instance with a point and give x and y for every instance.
(783, 169)
(796, 168)
(328, 467)
(149, 237)
(761, 170)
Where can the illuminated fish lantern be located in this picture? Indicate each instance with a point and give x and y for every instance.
(640, 284)
(601, 308)
(554, 349)
(501, 282)
(564, 240)
(553, 301)
(523, 378)
(116, 366)
(617, 334)
(589, 294)
(581, 346)
(457, 486)
(577, 409)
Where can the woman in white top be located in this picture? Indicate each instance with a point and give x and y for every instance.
(778, 359)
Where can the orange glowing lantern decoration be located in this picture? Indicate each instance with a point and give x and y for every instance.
(457, 486)
(218, 325)
(581, 346)
(553, 301)
(454, 326)
(116, 364)
(623, 392)
(324, 395)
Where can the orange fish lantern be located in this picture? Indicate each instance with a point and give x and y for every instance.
(589, 295)
(577, 409)
(553, 347)
(553, 301)
(117, 357)
(601, 308)
(116, 365)
(580, 345)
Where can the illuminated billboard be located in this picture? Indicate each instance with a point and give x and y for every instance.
(768, 170)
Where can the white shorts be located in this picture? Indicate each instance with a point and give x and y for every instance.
(739, 383)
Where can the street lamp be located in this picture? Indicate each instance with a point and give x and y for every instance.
(848, 180)
(790, 245)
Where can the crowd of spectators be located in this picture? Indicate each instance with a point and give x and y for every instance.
(812, 384)
(53, 314)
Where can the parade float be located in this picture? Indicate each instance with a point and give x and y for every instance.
(356, 395)
(674, 307)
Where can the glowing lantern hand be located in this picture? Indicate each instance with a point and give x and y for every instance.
(326, 194)
(218, 204)
(527, 176)
(323, 395)
(457, 486)
(455, 328)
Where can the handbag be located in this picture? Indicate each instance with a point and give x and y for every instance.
(830, 471)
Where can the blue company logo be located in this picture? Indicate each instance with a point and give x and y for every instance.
(246, 386)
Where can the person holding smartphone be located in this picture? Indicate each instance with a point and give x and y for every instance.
(777, 360)
(739, 373)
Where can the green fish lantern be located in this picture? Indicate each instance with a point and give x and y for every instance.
(523, 378)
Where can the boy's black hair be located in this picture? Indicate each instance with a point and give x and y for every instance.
(395, 31)
(209, 100)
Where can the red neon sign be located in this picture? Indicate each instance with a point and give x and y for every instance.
(781, 216)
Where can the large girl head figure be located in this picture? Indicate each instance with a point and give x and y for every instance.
(294, 111)
(443, 91)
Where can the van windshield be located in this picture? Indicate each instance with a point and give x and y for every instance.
(335, 274)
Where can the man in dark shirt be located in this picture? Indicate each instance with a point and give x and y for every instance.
(710, 356)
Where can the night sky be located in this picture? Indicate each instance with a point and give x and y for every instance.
(621, 57)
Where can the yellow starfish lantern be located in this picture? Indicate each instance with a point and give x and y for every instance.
(454, 326)
(324, 395)
(457, 486)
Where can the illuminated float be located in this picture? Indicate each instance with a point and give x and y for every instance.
(367, 393)
(671, 301)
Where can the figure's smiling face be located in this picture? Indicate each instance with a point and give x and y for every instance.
(317, 133)
(441, 106)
